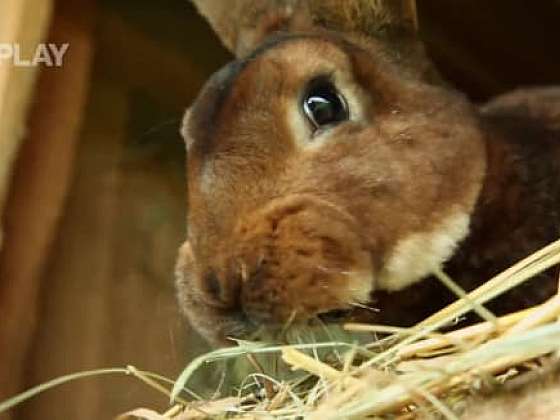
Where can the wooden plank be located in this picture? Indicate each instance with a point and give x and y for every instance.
(40, 184)
(169, 76)
(74, 317)
(24, 22)
(109, 298)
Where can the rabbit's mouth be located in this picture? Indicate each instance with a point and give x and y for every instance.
(335, 315)
(241, 327)
(297, 258)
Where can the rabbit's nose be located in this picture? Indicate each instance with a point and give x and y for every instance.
(221, 291)
(258, 303)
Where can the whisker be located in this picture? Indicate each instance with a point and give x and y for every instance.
(363, 306)
(244, 271)
(288, 324)
(333, 270)
(159, 127)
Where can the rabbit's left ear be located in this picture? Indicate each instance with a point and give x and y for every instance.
(243, 24)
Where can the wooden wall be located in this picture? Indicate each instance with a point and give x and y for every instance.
(24, 22)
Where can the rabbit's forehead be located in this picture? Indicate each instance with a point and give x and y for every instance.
(261, 83)
(304, 57)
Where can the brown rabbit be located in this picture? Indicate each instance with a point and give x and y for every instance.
(330, 168)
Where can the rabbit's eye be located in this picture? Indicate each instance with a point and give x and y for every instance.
(324, 105)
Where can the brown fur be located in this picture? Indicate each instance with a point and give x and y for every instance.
(388, 174)
(516, 214)
(243, 24)
(285, 225)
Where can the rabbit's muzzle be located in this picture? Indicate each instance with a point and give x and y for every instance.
(297, 258)
(294, 259)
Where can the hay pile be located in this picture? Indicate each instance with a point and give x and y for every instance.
(406, 372)
(402, 373)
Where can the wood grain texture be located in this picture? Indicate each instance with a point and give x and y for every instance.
(24, 22)
(75, 308)
(108, 296)
(42, 174)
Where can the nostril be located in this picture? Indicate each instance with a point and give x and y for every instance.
(213, 286)
(222, 292)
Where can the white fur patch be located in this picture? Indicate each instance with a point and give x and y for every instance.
(416, 256)
(360, 287)
(358, 284)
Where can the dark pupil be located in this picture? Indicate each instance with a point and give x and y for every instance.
(324, 106)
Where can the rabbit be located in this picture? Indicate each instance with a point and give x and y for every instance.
(330, 170)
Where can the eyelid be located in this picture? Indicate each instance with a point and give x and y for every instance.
(321, 78)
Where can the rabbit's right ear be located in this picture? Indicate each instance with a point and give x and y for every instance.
(243, 24)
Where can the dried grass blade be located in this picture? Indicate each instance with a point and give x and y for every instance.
(510, 278)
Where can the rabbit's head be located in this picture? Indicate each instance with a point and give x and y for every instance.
(322, 167)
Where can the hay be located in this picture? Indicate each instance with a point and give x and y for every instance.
(416, 372)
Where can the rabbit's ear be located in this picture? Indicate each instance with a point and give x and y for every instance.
(376, 18)
(243, 24)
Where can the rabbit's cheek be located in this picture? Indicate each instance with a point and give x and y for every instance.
(301, 258)
(416, 256)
